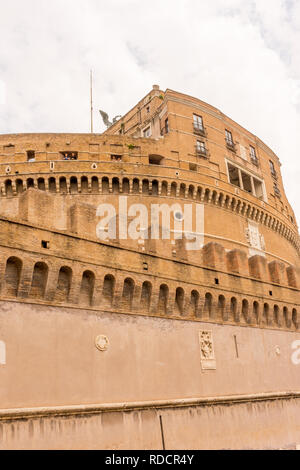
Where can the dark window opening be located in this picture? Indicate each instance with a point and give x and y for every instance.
(253, 156)
(270, 292)
(272, 168)
(216, 281)
(45, 244)
(69, 155)
(30, 155)
(116, 158)
(145, 266)
(234, 175)
(166, 126)
(155, 159)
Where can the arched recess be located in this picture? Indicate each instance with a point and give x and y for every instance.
(87, 288)
(208, 305)
(125, 185)
(105, 185)
(245, 310)
(295, 318)
(127, 295)
(41, 184)
(84, 184)
(146, 295)
(19, 186)
(8, 188)
(39, 280)
(12, 276)
(233, 309)
(63, 185)
(276, 315)
(52, 184)
(256, 312)
(108, 288)
(63, 284)
(221, 307)
(73, 185)
(95, 185)
(194, 302)
(163, 298)
(179, 301)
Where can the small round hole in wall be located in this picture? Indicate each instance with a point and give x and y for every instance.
(178, 216)
(94, 166)
(8, 169)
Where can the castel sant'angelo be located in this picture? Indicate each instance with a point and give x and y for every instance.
(122, 343)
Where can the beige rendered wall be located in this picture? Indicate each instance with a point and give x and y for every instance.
(52, 360)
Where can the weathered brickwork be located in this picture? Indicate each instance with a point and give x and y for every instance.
(242, 284)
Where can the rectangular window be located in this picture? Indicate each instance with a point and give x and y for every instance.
(245, 181)
(156, 160)
(272, 168)
(200, 147)
(193, 166)
(253, 155)
(198, 122)
(116, 158)
(30, 155)
(228, 137)
(277, 190)
(69, 155)
(147, 132)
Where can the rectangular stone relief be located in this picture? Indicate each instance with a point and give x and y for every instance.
(207, 353)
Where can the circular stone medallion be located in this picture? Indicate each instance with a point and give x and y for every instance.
(101, 342)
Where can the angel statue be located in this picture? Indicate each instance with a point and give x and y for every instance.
(106, 120)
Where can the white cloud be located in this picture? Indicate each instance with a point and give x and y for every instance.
(242, 57)
(2, 93)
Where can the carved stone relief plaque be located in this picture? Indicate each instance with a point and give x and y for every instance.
(207, 353)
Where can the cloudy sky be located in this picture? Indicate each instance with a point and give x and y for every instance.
(242, 56)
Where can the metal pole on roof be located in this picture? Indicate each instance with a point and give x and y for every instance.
(91, 90)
